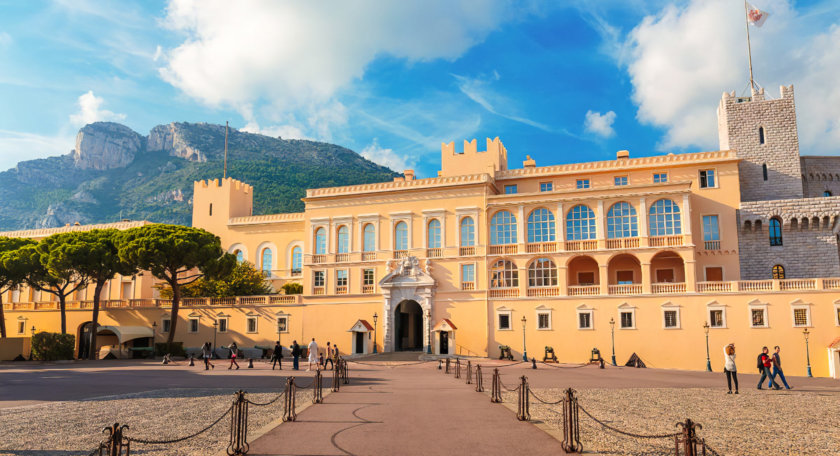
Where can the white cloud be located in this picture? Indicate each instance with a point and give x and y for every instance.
(386, 157)
(158, 53)
(89, 111)
(600, 124)
(478, 91)
(294, 56)
(282, 131)
(682, 59)
(18, 146)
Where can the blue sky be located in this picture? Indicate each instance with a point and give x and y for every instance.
(560, 81)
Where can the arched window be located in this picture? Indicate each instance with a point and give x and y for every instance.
(240, 256)
(266, 261)
(369, 244)
(503, 228)
(320, 241)
(826, 193)
(504, 274)
(542, 273)
(761, 135)
(541, 226)
(775, 229)
(622, 221)
(297, 261)
(434, 234)
(764, 170)
(664, 219)
(467, 232)
(778, 272)
(343, 239)
(401, 236)
(580, 223)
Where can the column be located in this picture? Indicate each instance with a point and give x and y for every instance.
(600, 219)
(563, 280)
(643, 222)
(522, 270)
(646, 278)
(690, 276)
(604, 278)
(686, 215)
(560, 224)
(520, 227)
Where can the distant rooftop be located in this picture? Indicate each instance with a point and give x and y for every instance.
(44, 232)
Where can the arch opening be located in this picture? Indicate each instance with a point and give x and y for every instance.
(408, 326)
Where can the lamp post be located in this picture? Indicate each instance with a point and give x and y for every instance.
(429, 319)
(154, 333)
(524, 349)
(30, 342)
(375, 317)
(807, 351)
(612, 333)
(708, 361)
(215, 326)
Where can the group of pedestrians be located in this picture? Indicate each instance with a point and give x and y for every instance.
(313, 356)
(769, 366)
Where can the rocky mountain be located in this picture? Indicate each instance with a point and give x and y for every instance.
(115, 173)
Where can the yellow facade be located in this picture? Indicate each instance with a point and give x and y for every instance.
(465, 256)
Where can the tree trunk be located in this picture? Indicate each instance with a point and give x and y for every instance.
(95, 320)
(62, 304)
(2, 319)
(176, 302)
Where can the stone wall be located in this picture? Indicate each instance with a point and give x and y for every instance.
(809, 238)
(739, 120)
(820, 174)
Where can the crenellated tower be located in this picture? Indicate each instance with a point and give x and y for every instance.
(215, 202)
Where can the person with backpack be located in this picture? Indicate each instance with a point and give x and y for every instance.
(277, 356)
(763, 363)
(777, 367)
(206, 353)
(729, 367)
(295, 354)
(234, 349)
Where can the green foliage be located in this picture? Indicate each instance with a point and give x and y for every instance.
(174, 349)
(243, 280)
(13, 269)
(48, 346)
(292, 288)
(54, 269)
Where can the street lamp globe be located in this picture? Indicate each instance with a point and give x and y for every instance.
(375, 317)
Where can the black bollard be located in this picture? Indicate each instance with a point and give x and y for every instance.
(533, 363)
(250, 363)
(440, 364)
(602, 363)
(192, 364)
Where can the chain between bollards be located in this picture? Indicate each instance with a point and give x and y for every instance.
(571, 423)
(239, 426)
(522, 412)
(496, 387)
(318, 390)
(289, 405)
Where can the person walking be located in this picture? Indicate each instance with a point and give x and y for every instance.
(233, 351)
(277, 356)
(313, 355)
(763, 363)
(328, 358)
(729, 367)
(295, 354)
(206, 353)
(777, 367)
(335, 355)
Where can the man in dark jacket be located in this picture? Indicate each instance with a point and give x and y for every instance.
(277, 356)
(764, 363)
(295, 354)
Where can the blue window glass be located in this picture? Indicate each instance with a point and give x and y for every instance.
(343, 239)
(622, 221)
(711, 231)
(664, 218)
(541, 226)
(580, 224)
(401, 236)
(510, 189)
(659, 178)
(467, 232)
(434, 234)
(546, 186)
(240, 256)
(467, 273)
(503, 228)
(775, 231)
(369, 244)
(320, 241)
(582, 183)
(707, 178)
(620, 181)
(297, 261)
(266, 261)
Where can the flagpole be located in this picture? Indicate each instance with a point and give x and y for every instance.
(226, 140)
(749, 48)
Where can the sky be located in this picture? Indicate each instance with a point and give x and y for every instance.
(562, 82)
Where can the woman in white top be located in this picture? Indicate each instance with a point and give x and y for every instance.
(313, 355)
(729, 367)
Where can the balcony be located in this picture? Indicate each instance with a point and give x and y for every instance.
(342, 257)
(714, 287)
(368, 256)
(468, 286)
(584, 290)
(543, 292)
(623, 243)
(509, 249)
(341, 289)
(797, 284)
(665, 241)
(755, 285)
(831, 284)
(541, 247)
(434, 253)
(466, 251)
(625, 289)
(319, 291)
(575, 246)
(504, 293)
(399, 254)
(711, 245)
(665, 288)
(368, 289)
(318, 259)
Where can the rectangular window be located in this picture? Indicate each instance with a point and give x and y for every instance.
(585, 320)
(671, 319)
(510, 189)
(367, 277)
(665, 276)
(586, 278)
(282, 324)
(627, 320)
(714, 274)
(546, 186)
(21, 327)
(319, 278)
(624, 277)
(252, 324)
(837, 311)
(711, 232)
(660, 178)
(165, 325)
(800, 317)
(758, 318)
(544, 320)
(504, 321)
(620, 181)
(707, 178)
(341, 278)
(467, 273)
(716, 318)
(193, 325)
(223, 325)
(582, 184)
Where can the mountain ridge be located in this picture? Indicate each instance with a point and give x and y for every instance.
(115, 173)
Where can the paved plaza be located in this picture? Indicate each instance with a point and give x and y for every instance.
(403, 407)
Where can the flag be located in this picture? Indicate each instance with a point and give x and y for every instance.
(756, 16)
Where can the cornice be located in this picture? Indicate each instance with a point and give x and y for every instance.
(269, 218)
(429, 183)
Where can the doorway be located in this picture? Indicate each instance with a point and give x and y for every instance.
(408, 322)
(360, 342)
(444, 342)
(84, 340)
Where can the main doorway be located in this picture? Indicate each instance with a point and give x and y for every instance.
(408, 322)
(84, 340)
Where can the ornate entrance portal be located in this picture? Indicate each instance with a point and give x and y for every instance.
(407, 290)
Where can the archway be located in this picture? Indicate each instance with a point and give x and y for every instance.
(667, 267)
(84, 340)
(408, 326)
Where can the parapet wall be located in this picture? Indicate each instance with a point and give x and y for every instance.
(471, 160)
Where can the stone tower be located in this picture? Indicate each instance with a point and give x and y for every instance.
(763, 134)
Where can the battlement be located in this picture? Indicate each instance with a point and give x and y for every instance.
(230, 182)
(472, 161)
(215, 201)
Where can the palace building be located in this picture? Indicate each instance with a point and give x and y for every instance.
(650, 255)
